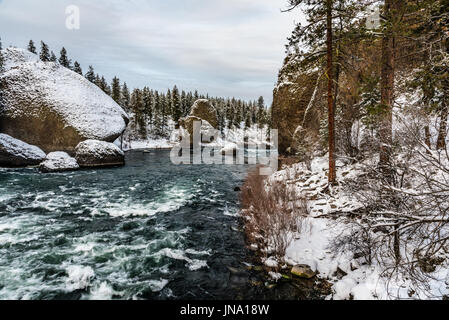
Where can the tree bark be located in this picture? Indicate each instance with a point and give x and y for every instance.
(442, 133)
(387, 89)
(330, 98)
(427, 138)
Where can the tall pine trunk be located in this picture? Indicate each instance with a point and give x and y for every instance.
(391, 14)
(387, 90)
(330, 98)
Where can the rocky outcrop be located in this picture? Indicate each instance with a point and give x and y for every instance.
(94, 153)
(16, 153)
(207, 131)
(58, 162)
(50, 106)
(296, 102)
(203, 109)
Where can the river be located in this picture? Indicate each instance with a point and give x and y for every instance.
(148, 230)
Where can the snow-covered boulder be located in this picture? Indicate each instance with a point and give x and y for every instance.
(16, 153)
(207, 131)
(52, 107)
(94, 153)
(58, 162)
(203, 109)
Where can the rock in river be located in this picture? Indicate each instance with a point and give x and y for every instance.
(16, 153)
(58, 162)
(94, 153)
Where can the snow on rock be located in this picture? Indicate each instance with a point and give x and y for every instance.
(94, 153)
(58, 162)
(50, 106)
(16, 153)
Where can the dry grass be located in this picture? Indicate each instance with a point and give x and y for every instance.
(272, 214)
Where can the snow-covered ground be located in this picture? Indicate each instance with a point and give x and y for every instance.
(227, 142)
(314, 243)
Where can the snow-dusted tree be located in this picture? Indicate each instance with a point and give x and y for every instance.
(148, 104)
(31, 47)
(137, 107)
(1, 56)
(90, 74)
(261, 112)
(125, 97)
(45, 52)
(176, 105)
(116, 93)
(64, 60)
(53, 57)
(77, 68)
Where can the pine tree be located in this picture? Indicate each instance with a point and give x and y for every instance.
(147, 98)
(137, 107)
(103, 84)
(1, 56)
(90, 74)
(392, 15)
(45, 52)
(53, 57)
(261, 112)
(169, 103)
(125, 97)
(116, 90)
(63, 59)
(248, 121)
(31, 47)
(176, 105)
(319, 33)
(77, 68)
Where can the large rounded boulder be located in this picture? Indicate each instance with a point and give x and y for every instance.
(52, 107)
(203, 109)
(94, 153)
(16, 153)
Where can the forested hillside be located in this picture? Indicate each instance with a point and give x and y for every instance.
(361, 105)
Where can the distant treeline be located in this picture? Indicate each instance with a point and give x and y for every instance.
(152, 109)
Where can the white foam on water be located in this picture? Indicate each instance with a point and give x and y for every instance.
(199, 253)
(103, 291)
(84, 247)
(197, 265)
(79, 277)
(157, 285)
(170, 200)
(228, 213)
(192, 264)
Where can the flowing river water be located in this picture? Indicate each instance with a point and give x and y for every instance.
(148, 230)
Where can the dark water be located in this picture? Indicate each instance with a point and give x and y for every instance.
(149, 230)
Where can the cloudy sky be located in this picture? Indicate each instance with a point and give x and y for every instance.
(221, 47)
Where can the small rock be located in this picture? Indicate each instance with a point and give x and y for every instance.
(339, 274)
(303, 271)
(58, 162)
(94, 153)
